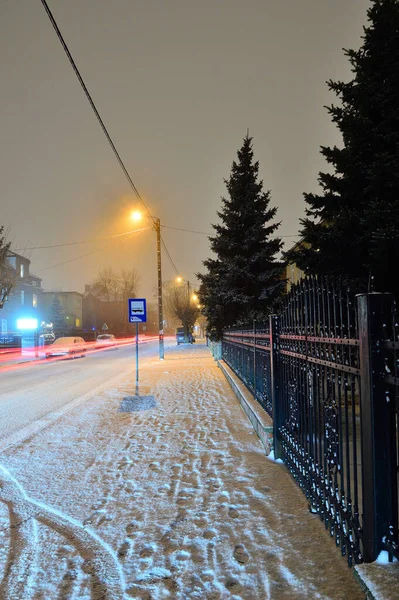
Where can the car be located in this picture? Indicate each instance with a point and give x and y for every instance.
(45, 339)
(181, 338)
(67, 346)
(106, 340)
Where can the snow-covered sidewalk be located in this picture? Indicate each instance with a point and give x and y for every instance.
(173, 500)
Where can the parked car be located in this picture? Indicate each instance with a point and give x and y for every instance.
(106, 340)
(67, 346)
(45, 339)
(181, 338)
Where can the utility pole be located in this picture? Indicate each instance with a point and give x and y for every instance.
(157, 227)
(188, 308)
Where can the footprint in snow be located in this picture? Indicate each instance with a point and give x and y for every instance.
(240, 554)
(233, 585)
(124, 548)
(146, 552)
(154, 466)
(233, 513)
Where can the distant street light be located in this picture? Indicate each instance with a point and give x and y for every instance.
(136, 216)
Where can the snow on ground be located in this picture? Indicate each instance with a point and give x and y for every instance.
(173, 500)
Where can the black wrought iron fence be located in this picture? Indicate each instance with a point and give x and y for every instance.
(321, 369)
(319, 438)
(247, 351)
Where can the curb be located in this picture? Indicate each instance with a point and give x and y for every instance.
(260, 420)
(378, 581)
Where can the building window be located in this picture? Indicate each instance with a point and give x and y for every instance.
(22, 270)
(22, 297)
(77, 323)
(34, 300)
(3, 325)
(12, 261)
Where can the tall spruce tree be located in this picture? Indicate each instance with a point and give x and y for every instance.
(351, 229)
(244, 281)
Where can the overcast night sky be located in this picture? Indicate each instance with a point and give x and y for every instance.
(177, 83)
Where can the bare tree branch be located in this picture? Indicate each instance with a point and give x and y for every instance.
(8, 275)
(180, 306)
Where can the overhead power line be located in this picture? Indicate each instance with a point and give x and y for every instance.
(95, 110)
(72, 259)
(84, 255)
(126, 233)
(109, 237)
(207, 233)
(170, 258)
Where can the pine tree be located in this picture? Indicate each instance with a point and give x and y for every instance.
(351, 229)
(57, 314)
(244, 281)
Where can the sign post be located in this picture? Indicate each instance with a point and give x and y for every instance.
(137, 314)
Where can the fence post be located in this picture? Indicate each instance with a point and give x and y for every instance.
(378, 424)
(277, 407)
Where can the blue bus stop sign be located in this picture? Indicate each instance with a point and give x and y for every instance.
(137, 310)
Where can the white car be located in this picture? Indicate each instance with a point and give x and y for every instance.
(106, 340)
(67, 346)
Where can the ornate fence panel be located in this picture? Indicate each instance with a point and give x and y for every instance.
(327, 370)
(247, 352)
(320, 401)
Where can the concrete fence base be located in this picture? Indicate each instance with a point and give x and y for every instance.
(216, 350)
(260, 420)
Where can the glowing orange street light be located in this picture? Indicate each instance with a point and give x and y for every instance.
(136, 216)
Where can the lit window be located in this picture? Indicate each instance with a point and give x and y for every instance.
(22, 297)
(77, 323)
(34, 300)
(22, 270)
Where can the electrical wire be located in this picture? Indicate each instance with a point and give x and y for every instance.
(109, 237)
(170, 258)
(84, 255)
(126, 233)
(101, 122)
(207, 233)
(72, 259)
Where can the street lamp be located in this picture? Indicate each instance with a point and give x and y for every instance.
(136, 216)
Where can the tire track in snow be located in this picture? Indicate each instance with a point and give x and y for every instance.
(101, 562)
(17, 578)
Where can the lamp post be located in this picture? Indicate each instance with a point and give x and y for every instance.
(157, 227)
(136, 216)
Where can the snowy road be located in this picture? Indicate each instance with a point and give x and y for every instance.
(33, 391)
